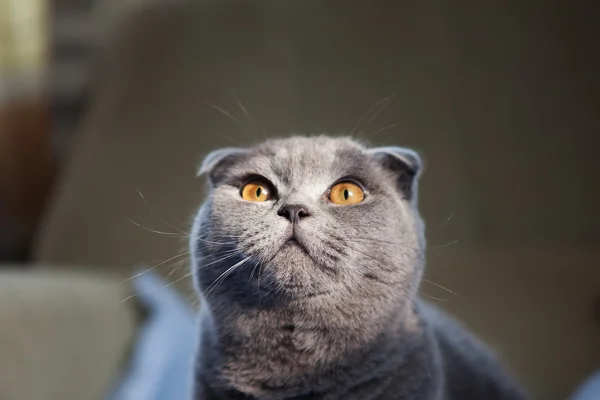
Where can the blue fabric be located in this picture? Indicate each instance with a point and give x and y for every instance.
(161, 363)
(589, 390)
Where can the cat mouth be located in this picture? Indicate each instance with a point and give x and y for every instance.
(293, 241)
(295, 244)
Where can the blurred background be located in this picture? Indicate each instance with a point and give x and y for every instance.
(108, 106)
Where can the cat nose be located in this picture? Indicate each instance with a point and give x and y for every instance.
(293, 212)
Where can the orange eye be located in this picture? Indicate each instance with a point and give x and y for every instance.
(256, 191)
(346, 193)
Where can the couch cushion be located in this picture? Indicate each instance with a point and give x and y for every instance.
(62, 336)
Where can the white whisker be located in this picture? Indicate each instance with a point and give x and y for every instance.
(159, 288)
(223, 276)
(157, 216)
(222, 111)
(156, 266)
(242, 107)
(369, 111)
(445, 223)
(385, 128)
(440, 286)
(231, 254)
(169, 234)
(383, 107)
(218, 134)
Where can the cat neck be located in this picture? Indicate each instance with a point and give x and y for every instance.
(301, 350)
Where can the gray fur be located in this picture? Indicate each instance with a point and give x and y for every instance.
(335, 316)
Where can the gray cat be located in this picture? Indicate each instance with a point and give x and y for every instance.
(308, 254)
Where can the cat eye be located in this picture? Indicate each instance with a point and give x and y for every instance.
(346, 193)
(256, 191)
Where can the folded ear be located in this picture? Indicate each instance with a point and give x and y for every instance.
(217, 161)
(404, 164)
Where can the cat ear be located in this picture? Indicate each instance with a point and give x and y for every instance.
(217, 160)
(404, 163)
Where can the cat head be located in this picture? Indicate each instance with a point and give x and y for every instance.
(306, 219)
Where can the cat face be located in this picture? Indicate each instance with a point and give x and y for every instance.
(305, 219)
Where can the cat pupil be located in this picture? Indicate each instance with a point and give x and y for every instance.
(258, 191)
(346, 194)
